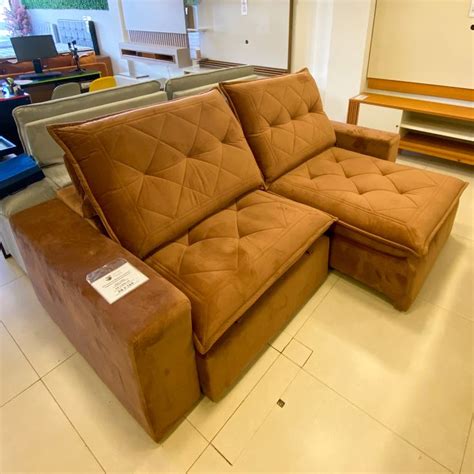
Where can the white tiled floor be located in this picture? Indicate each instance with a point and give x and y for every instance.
(361, 387)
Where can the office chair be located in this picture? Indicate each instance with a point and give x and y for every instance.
(103, 83)
(66, 90)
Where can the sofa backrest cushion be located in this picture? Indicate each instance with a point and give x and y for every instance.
(206, 78)
(153, 173)
(46, 151)
(283, 120)
(43, 110)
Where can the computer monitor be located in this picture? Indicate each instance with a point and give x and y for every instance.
(34, 48)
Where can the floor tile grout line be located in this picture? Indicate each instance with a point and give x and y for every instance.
(20, 349)
(199, 457)
(19, 393)
(28, 360)
(238, 406)
(243, 400)
(398, 435)
(59, 364)
(11, 281)
(72, 425)
(469, 433)
(265, 417)
(220, 454)
(452, 311)
(266, 371)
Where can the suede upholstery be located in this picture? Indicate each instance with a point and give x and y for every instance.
(283, 120)
(395, 204)
(226, 262)
(400, 277)
(221, 367)
(177, 184)
(168, 166)
(367, 141)
(141, 346)
(390, 211)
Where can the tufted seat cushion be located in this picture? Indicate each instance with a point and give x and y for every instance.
(397, 205)
(283, 120)
(226, 262)
(152, 173)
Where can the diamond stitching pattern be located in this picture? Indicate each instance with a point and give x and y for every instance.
(283, 120)
(157, 171)
(225, 259)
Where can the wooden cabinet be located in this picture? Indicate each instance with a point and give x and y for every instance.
(382, 118)
(432, 128)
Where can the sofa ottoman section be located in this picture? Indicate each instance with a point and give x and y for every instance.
(392, 219)
(390, 216)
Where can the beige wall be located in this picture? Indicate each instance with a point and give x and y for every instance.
(332, 38)
(266, 28)
(348, 54)
(312, 25)
(426, 41)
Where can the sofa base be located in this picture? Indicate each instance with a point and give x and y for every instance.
(397, 275)
(224, 363)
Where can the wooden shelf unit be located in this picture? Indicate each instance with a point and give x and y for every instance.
(432, 128)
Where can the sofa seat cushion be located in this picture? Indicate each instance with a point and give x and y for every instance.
(153, 173)
(226, 262)
(397, 205)
(283, 120)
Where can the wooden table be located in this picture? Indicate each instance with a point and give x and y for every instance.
(42, 90)
(433, 128)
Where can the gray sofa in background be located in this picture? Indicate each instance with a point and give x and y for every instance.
(191, 84)
(32, 121)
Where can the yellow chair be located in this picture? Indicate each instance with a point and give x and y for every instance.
(103, 83)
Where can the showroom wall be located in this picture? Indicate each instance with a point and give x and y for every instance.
(108, 25)
(332, 38)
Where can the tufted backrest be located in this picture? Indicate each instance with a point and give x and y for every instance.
(152, 173)
(283, 120)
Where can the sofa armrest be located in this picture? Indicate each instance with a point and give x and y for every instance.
(140, 346)
(368, 141)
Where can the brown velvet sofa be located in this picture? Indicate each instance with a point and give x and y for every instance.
(175, 189)
(393, 220)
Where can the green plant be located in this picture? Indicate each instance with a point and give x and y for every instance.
(66, 4)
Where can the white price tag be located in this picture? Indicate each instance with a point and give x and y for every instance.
(116, 279)
(244, 7)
